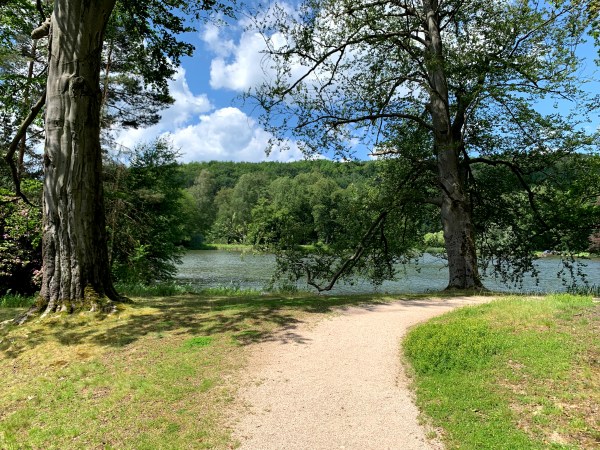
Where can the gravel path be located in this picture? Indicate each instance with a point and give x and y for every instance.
(337, 383)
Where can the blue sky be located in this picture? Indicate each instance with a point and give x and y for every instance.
(208, 120)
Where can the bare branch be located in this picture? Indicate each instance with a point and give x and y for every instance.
(38, 5)
(317, 62)
(12, 148)
(338, 121)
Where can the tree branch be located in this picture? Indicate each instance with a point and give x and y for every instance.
(350, 262)
(337, 121)
(517, 171)
(38, 5)
(12, 148)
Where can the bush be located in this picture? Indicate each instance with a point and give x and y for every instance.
(16, 301)
(434, 240)
(20, 243)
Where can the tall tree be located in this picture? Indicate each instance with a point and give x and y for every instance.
(382, 71)
(76, 267)
(147, 218)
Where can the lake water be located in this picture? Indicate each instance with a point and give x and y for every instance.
(214, 268)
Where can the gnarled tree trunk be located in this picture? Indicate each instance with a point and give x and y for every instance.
(455, 207)
(75, 261)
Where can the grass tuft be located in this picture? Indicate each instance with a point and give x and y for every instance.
(452, 347)
(198, 341)
(154, 290)
(593, 290)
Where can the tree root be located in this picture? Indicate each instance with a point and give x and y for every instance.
(92, 302)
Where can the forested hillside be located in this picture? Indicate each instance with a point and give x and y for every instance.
(237, 202)
(156, 208)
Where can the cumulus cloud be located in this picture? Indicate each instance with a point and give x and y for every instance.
(186, 108)
(238, 66)
(241, 61)
(228, 134)
(203, 133)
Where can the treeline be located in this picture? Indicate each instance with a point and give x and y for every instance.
(257, 203)
(156, 208)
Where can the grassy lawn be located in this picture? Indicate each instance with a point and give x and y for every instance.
(159, 374)
(517, 373)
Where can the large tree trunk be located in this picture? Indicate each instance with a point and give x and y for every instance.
(456, 221)
(75, 262)
(455, 207)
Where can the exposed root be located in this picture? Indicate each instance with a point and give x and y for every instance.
(91, 302)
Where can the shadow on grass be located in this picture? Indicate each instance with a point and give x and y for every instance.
(247, 320)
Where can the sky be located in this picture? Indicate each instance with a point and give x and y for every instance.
(209, 120)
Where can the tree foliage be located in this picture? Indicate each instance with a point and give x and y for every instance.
(20, 242)
(454, 94)
(146, 217)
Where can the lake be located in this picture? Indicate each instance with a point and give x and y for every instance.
(215, 268)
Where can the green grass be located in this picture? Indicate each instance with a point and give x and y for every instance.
(153, 290)
(516, 373)
(16, 301)
(593, 289)
(159, 374)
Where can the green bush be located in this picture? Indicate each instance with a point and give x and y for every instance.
(446, 347)
(434, 240)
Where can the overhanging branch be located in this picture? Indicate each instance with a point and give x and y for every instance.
(514, 168)
(350, 262)
(12, 148)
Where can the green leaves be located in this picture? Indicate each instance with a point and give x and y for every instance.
(144, 216)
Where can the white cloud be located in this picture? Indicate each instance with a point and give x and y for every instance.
(186, 108)
(241, 61)
(228, 134)
(203, 133)
(238, 67)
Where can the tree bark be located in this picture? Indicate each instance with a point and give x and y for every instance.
(455, 209)
(76, 270)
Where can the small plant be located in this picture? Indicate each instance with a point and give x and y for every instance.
(593, 290)
(198, 341)
(16, 301)
(232, 290)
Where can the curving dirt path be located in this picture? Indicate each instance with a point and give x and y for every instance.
(337, 383)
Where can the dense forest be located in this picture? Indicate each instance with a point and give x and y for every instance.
(156, 208)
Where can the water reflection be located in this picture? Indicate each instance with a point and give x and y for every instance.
(214, 268)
